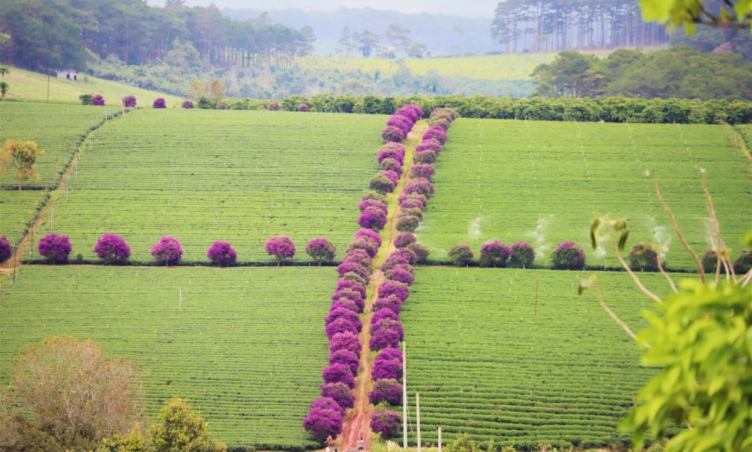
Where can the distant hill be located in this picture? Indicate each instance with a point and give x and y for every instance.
(437, 32)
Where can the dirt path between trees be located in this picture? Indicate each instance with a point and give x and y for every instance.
(358, 421)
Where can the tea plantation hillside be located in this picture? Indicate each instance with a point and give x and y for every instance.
(246, 346)
(236, 176)
(56, 129)
(544, 182)
(487, 362)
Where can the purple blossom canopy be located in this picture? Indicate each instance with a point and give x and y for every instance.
(400, 122)
(6, 251)
(222, 254)
(372, 218)
(55, 247)
(346, 358)
(327, 403)
(321, 250)
(386, 423)
(281, 247)
(397, 289)
(345, 341)
(397, 146)
(344, 303)
(303, 108)
(353, 286)
(522, 254)
(421, 251)
(421, 201)
(431, 144)
(425, 157)
(342, 325)
(405, 253)
(441, 123)
(340, 393)
(381, 183)
(112, 248)
(187, 105)
(392, 165)
(364, 244)
(366, 203)
(167, 250)
(391, 153)
(392, 176)
(387, 369)
(423, 170)
(341, 313)
(129, 101)
(401, 273)
(339, 373)
(346, 267)
(568, 255)
(494, 254)
(404, 239)
(159, 102)
(394, 326)
(387, 390)
(350, 294)
(393, 261)
(420, 186)
(322, 424)
(389, 354)
(352, 276)
(97, 100)
(437, 134)
(371, 234)
(391, 302)
(393, 134)
(382, 314)
(360, 257)
(409, 112)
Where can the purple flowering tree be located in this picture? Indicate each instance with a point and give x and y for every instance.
(340, 393)
(167, 250)
(372, 218)
(430, 144)
(344, 303)
(6, 251)
(393, 134)
(404, 197)
(281, 247)
(387, 324)
(387, 369)
(323, 422)
(342, 325)
(381, 183)
(399, 290)
(522, 255)
(423, 170)
(352, 267)
(112, 249)
(129, 101)
(407, 223)
(386, 390)
(187, 105)
(420, 186)
(421, 251)
(386, 423)
(568, 255)
(354, 277)
(303, 108)
(353, 286)
(644, 256)
(424, 157)
(400, 122)
(345, 341)
(393, 261)
(346, 358)
(404, 253)
(351, 295)
(222, 254)
(392, 176)
(159, 102)
(321, 250)
(461, 255)
(391, 303)
(401, 273)
(389, 354)
(371, 234)
(392, 165)
(364, 244)
(409, 112)
(494, 254)
(437, 134)
(338, 373)
(97, 100)
(55, 247)
(404, 239)
(377, 203)
(382, 314)
(327, 403)
(360, 256)
(391, 153)
(441, 123)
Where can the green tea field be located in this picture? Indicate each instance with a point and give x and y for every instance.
(56, 129)
(544, 182)
(486, 363)
(202, 176)
(246, 346)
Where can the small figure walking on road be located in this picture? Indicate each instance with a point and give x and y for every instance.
(329, 441)
(361, 444)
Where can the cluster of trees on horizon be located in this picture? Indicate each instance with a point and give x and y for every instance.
(56, 34)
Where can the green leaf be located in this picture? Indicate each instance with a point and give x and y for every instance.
(594, 232)
(623, 239)
(747, 239)
(743, 7)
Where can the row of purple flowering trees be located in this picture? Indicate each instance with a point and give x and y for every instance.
(343, 323)
(567, 255)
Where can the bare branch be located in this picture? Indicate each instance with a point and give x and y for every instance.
(663, 272)
(629, 270)
(718, 269)
(746, 279)
(614, 316)
(678, 232)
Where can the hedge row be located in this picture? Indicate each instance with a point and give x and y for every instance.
(610, 109)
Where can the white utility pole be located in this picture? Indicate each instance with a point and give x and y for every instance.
(417, 417)
(439, 439)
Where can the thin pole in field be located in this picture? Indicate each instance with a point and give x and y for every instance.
(417, 417)
(404, 396)
(180, 303)
(536, 297)
(439, 439)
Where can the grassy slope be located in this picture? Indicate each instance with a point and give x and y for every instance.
(495, 67)
(237, 176)
(484, 363)
(247, 346)
(56, 129)
(31, 85)
(543, 182)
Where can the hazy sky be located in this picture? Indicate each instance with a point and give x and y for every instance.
(476, 8)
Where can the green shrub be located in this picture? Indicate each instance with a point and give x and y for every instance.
(85, 99)
(461, 255)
